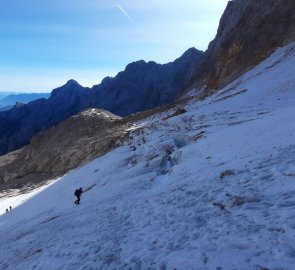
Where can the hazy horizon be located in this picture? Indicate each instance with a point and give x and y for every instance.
(44, 44)
(20, 93)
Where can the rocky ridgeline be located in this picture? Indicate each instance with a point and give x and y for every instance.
(75, 141)
(72, 143)
(249, 31)
(141, 86)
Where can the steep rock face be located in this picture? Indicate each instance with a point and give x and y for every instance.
(140, 87)
(249, 31)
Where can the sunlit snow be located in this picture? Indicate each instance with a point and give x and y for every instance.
(212, 188)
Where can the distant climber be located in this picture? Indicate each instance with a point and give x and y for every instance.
(6, 210)
(10, 208)
(78, 193)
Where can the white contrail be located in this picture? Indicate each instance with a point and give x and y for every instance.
(125, 13)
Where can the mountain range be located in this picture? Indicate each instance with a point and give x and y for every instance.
(193, 168)
(244, 38)
(8, 100)
(141, 86)
(209, 185)
(11, 99)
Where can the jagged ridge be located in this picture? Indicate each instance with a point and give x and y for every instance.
(139, 87)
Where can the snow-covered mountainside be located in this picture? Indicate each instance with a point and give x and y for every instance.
(212, 188)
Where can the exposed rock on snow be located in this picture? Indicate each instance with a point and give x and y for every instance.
(227, 173)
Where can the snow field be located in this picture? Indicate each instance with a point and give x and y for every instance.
(212, 188)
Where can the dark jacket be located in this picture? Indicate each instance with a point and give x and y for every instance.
(78, 192)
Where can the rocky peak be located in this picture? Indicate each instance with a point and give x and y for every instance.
(72, 82)
(71, 85)
(18, 105)
(139, 66)
(191, 52)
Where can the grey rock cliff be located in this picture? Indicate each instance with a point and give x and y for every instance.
(248, 32)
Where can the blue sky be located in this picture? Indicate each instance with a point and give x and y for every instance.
(44, 43)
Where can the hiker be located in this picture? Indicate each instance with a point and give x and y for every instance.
(10, 208)
(78, 193)
(6, 210)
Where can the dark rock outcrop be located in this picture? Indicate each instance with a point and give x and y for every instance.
(77, 140)
(249, 32)
(72, 143)
(139, 87)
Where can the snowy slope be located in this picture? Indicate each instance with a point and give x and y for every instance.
(209, 189)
